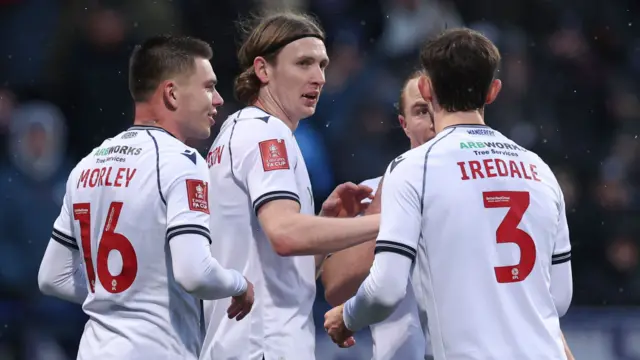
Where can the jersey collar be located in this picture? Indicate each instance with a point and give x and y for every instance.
(481, 126)
(149, 127)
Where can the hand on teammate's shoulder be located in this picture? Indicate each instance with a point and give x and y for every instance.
(376, 204)
(346, 200)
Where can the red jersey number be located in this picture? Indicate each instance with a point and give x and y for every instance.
(508, 232)
(109, 241)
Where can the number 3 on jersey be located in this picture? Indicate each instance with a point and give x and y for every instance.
(508, 232)
(110, 240)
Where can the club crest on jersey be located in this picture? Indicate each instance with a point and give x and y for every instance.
(198, 195)
(274, 155)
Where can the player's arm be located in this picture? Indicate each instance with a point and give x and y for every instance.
(561, 276)
(292, 233)
(60, 272)
(395, 251)
(276, 202)
(344, 271)
(188, 234)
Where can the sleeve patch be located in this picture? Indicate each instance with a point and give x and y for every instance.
(274, 155)
(198, 195)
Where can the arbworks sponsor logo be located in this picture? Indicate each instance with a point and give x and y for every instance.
(118, 150)
(490, 145)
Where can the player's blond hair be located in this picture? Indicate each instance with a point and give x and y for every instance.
(401, 101)
(265, 36)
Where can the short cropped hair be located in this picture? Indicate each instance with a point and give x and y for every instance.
(160, 58)
(401, 100)
(266, 36)
(461, 64)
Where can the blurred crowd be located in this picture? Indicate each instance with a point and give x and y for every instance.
(571, 79)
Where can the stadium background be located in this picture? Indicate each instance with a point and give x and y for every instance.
(571, 72)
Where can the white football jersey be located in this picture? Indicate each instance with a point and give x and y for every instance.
(256, 159)
(400, 336)
(124, 202)
(485, 221)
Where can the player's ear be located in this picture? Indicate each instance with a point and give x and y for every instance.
(494, 89)
(170, 94)
(403, 123)
(424, 85)
(260, 67)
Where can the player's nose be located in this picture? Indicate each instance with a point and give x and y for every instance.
(217, 100)
(317, 76)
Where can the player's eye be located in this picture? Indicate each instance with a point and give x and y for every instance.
(422, 110)
(305, 62)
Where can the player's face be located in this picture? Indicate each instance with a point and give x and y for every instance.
(417, 122)
(298, 77)
(198, 101)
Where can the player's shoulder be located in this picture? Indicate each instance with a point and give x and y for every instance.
(417, 156)
(181, 157)
(170, 152)
(88, 159)
(168, 147)
(453, 138)
(410, 162)
(442, 143)
(544, 170)
(526, 154)
(372, 183)
(252, 123)
(253, 130)
(415, 160)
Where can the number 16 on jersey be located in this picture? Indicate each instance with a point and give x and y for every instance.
(109, 240)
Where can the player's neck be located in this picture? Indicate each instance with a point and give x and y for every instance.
(271, 107)
(446, 119)
(146, 116)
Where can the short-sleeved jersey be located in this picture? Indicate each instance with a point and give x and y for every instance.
(256, 159)
(400, 336)
(124, 203)
(484, 220)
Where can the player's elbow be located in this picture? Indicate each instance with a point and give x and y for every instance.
(282, 244)
(189, 285)
(387, 301)
(386, 298)
(384, 303)
(188, 279)
(562, 303)
(561, 287)
(283, 240)
(46, 283)
(290, 238)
